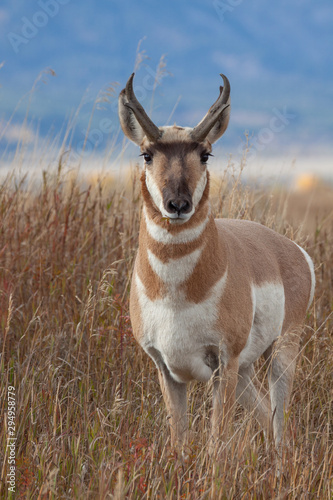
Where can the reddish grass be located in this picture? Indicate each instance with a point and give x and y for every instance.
(90, 421)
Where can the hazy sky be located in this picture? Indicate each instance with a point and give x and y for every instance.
(277, 56)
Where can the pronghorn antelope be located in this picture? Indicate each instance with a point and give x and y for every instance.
(209, 297)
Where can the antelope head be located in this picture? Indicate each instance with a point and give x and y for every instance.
(175, 158)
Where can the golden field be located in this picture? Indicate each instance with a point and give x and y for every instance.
(90, 421)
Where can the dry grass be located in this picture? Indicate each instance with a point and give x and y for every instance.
(90, 422)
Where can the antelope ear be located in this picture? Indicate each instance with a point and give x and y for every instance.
(130, 125)
(221, 124)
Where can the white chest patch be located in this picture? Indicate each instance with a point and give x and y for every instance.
(162, 235)
(268, 315)
(313, 277)
(175, 271)
(181, 331)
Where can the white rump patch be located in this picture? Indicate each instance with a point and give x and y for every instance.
(313, 277)
(181, 330)
(162, 235)
(268, 302)
(175, 271)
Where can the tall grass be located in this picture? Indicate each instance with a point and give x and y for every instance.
(90, 421)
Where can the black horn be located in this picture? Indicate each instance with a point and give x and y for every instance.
(200, 132)
(150, 129)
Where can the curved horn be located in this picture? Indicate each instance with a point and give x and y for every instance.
(200, 132)
(150, 129)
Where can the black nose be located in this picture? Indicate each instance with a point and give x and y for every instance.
(178, 206)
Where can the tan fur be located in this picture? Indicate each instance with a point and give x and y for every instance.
(245, 287)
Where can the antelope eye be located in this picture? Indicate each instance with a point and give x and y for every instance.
(147, 157)
(204, 157)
